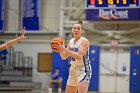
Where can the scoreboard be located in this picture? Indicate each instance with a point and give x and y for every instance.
(99, 10)
(113, 3)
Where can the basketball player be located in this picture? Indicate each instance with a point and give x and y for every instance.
(13, 41)
(80, 69)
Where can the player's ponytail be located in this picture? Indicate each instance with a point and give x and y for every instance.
(81, 23)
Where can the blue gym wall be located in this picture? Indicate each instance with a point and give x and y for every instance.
(94, 59)
(63, 65)
(135, 69)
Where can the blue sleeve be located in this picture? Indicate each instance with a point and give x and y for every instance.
(56, 77)
(3, 54)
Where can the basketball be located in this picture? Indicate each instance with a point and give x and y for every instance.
(58, 41)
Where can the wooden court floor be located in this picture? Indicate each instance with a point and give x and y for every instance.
(37, 92)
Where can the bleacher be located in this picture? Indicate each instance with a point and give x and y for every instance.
(16, 72)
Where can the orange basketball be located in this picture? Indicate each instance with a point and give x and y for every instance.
(58, 41)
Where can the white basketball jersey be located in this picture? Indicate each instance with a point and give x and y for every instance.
(75, 48)
(80, 70)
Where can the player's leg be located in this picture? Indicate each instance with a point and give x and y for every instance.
(71, 89)
(59, 82)
(51, 83)
(83, 87)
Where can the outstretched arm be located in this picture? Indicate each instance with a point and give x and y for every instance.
(13, 41)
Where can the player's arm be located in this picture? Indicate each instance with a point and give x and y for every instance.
(13, 41)
(80, 53)
(54, 75)
(63, 54)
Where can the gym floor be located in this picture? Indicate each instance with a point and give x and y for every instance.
(36, 91)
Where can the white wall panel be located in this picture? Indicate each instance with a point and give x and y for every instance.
(107, 60)
(114, 70)
(50, 14)
(123, 64)
(123, 70)
(13, 15)
(32, 49)
(107, 70)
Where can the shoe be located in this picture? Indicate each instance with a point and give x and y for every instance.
(50, 89)
(59, 89)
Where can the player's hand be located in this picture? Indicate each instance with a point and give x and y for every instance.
(55, 44)
(59, 46)
(23, 33)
